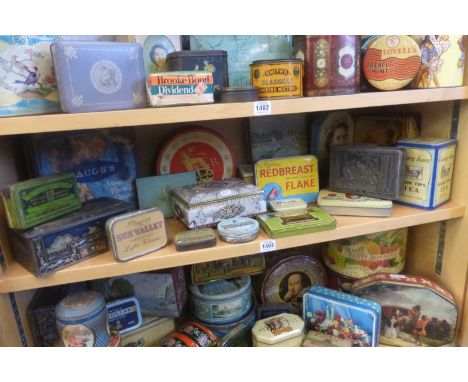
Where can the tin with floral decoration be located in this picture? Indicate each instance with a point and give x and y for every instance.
(190, 334)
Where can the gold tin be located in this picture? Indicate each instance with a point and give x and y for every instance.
(136, 233)
(277, 78)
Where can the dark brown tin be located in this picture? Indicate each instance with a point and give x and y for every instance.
(237, 94)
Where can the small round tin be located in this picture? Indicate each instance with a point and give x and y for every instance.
(284, 329)
(221, 301)
(237, 94)
(280, 78)
(82, 320)
(238, 230)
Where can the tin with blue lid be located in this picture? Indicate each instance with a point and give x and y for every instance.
(238, 230)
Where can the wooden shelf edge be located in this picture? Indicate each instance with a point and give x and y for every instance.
(16, 278)
(152, 116)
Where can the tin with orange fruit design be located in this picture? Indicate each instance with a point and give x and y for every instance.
(361, 256)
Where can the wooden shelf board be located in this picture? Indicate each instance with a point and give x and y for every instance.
(152, 116)
(16, 278)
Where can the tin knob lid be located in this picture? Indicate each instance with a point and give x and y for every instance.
(79, 305)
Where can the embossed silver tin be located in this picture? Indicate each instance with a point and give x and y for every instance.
(194, 239)
(238, 230)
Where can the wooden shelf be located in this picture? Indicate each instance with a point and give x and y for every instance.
(17, 278)
(151, 116)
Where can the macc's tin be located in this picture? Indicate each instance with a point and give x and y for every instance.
(124, 315)
(286, 330)
(194, 239)
(331, 63)
(238, 230)
(237, 94)
(277, 78)
(82, 319)
(136, 233)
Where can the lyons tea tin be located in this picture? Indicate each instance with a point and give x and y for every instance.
(279, 78)
(238, 230)
(285, 330)
(221, 301)
(82, 320)
(136, 233)
(194, 239)
(331, 63)
(67, 240)
(415, 310)
(39, 200)
(151, 331)
(237, 94)
(342, 315)
(362, 256)
(428, 175)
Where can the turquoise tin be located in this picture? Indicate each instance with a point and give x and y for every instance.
(238, 230)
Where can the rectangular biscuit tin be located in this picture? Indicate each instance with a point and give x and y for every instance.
(428, 175)
(194, 239)
(39, 200)
(205, 204)
(67, 240)
(342, 315)
(151, 331)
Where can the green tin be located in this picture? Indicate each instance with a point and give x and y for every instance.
(39, 200)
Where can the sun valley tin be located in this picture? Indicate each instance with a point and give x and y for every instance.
(428, 175)
(277, 78)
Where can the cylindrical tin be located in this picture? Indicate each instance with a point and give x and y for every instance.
(331, 63)
(442, 61)
(285, 330)
(237, 94)
(238, 230)
(365, 255)
(277, 78)
(82, 319)
(191, 334)
(221, 301)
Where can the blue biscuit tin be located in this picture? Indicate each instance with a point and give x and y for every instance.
(124, 315)
(342, 315)
(82, 320)
(98, 76)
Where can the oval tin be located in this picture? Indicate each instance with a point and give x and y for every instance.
(238, 230)
(136, 233)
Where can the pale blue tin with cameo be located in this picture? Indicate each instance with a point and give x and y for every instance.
(82, 320)
(221, 301)
(99, 76)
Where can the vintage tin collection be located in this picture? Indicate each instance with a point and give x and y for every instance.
(238, 230)
(226, 269)
(191, 334)
(415, 310)
(194, 239)
(342, 315)
(198, 149)
(390, 62)
(124, 315)
(212, 61)
(287, 205)
(283, 178)
(221, 301)
(364, 255)
(367, 170)
(151, 331)
(82, 319)
(312, 219)
(27, 80)
(338, 203)
(136, 233)
(237, 94)
(180, 88)
(67, 240)
(39, 200)
(331, 63)
(98, 76)
(286, 330)
(206, 204)
(429, 168)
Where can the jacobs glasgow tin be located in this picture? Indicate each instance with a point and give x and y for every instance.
(277, 78)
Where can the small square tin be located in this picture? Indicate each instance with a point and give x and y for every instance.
(124, 315)
(342, 315)
(195, 239)
(285, 329)
(367, 170)
(238, 230)
(206, 204)
(151, 331)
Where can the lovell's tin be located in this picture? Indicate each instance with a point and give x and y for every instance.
(82, 319)
(428, 175)
(365, 255)
(238, 230)
(331, 63)
(226, 269)
(151, 331)
(279, 78)
(285, 330)
(221, 301)
(192, 334)
(237, 94)
(136, 233)
(124, 315)
(194, 239)
(342, 315)
(415, 310)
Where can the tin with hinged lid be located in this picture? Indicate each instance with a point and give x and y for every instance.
(238, 230)
(194, 239)
(285, 330)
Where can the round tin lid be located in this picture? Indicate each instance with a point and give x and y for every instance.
(238, 228)
(229, 89)
(279, 60)
(197, 149)
(79, 305)
(278, 328)
(221, 290)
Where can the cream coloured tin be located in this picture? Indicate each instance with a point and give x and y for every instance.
(238, 230)
(287, 205)
(194, 239)
(286, 330)
(151, 331)
(136, 233)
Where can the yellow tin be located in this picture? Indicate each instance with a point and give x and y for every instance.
(277, 78)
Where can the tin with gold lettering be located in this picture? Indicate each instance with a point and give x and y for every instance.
(277, 78)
